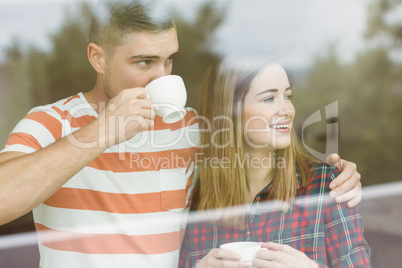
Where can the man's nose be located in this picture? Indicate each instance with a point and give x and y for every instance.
(161, 70)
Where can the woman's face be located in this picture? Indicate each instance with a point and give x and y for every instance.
(268, 111)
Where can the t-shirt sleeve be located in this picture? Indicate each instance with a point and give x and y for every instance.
(41, 127)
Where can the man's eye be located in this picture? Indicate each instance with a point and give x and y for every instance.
(169, 60)
(144, 63)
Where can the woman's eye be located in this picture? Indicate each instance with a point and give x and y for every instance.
(289, 97)
(269, 99)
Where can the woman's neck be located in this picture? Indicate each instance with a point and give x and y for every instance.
(258, 171)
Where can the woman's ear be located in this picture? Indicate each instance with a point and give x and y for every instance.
(96, 57)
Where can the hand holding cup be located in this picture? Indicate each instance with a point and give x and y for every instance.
(169, 95)
(246, 250)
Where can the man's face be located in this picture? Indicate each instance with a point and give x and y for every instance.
(142, 58)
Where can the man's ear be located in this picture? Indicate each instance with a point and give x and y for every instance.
(97, 57)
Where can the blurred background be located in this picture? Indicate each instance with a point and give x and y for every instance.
(344, 52)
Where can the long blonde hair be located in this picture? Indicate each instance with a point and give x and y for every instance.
(225, 85)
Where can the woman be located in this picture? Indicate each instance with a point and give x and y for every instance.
(251, 157)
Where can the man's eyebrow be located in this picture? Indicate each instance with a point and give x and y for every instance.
(150, 57)
(272, 90)
(174, 54)
(144, 57)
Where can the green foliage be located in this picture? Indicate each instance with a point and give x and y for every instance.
(47, 76)
(37, 64)
(15, 89)
(67, 67)
(196, 43)
(65, 70)
(369, 93)
(385, 20)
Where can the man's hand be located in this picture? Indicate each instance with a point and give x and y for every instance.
(127, 114)
(347, 186)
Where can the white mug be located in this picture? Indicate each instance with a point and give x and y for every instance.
(247, 250)
(170, 96)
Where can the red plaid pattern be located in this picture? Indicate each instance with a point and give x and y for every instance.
(327, 232)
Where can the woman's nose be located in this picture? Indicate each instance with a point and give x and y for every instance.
(286, 109)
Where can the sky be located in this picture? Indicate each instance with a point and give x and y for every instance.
(293, 30)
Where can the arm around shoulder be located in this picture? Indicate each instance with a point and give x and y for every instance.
(346, 187)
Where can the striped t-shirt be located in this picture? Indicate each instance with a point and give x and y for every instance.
(127, 208)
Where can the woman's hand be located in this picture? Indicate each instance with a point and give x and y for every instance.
(347, 186)
(222, 258)
(278, 256)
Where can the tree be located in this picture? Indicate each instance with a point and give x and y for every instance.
(66, 67)
(17, 92)
(385, 21)
(196, 43)
(369, 92)
(65, 70)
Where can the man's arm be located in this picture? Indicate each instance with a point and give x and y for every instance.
(26, 180)
(347, 186)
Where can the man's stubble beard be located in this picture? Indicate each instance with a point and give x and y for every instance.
(107, 87)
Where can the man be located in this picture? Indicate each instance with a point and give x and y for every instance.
(107, 180)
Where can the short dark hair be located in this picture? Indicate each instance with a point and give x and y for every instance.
(113, 20)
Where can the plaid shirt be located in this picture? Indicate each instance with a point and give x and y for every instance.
(327, 232)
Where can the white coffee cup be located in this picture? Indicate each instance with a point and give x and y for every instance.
(247, 250)
(170, 96)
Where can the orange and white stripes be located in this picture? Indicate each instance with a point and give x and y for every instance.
(127, 208)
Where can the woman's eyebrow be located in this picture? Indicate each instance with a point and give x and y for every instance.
(272, 90)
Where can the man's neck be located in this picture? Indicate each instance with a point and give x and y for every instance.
(97, 98)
